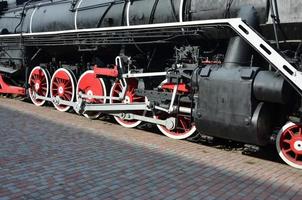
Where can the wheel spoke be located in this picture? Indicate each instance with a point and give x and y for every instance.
(288, 150)
(136, 98)
(58, 80)
(66, 97)
(68, 92)
(56, 84)
(287, 141)
(291, 133)
(117, 91)
(183, 124)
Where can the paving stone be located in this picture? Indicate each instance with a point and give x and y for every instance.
(46, 154)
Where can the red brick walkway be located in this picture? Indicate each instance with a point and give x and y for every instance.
(45, 154)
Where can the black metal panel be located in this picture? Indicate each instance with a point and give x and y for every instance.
(95, 13)
(3, 6)
(271, 87)
(218, 9)
(53, 17)
(9, 21)
(154, 11)
(19, 2)
(227, 109)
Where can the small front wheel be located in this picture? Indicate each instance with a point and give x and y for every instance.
(289, 144)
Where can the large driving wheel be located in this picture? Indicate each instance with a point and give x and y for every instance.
(129, 98)
(88, 84)
(185, 128)
(38, 85)
(63, 85)
(289, 144)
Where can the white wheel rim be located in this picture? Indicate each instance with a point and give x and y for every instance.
(46, 74)
(72, 78)
(97, 115)
(177, 137)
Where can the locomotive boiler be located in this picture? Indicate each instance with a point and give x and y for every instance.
(226, 68)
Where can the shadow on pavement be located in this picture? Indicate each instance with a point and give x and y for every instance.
(40, 159)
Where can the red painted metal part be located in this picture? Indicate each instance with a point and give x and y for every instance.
(8, 89)
(290, 144)
(181, 87)
(106, 72)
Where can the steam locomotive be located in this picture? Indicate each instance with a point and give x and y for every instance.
(226, 68)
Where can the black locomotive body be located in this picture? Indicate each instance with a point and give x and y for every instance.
(225, 68)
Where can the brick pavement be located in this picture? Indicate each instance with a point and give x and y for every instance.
(45, 154)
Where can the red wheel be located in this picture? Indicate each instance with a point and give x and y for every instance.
(289, 144)
(38, 84)
(90, 85)
(129, 98)
(184, 126)
(63, 85)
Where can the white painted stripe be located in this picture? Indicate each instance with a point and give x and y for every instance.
(31, 19)
(128, 13)
(76, 15)
(133, 27)
(181, 9)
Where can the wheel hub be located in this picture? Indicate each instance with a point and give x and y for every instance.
(297, 145)
(89, 93)
(127, 100)
(61, 90)
(37, 86)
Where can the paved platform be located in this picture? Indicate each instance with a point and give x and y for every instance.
(45, 154)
